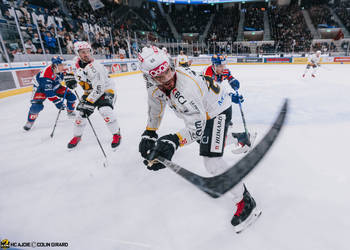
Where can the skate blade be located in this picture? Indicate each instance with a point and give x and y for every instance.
(245, 148)
(249, 221)
(74, 148)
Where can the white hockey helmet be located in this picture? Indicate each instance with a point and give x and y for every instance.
(165, 49)
(81, 45)
(153, 61)
(318, 52)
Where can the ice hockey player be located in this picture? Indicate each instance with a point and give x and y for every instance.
(314, 62)
(182, 60)
(206, 111)
(218, 72)
(47, 84)
(98, 93)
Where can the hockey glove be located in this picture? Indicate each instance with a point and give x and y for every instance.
(237, 98)
(86, 108)
(70, 81)
(165, 147)
(234, 83)
(147, 143)
(59, 104)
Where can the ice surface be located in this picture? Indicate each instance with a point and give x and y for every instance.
(50, 194)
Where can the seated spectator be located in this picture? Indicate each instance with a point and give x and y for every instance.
(50, 43)
(29, 46)
(36, 40)
(8, 17)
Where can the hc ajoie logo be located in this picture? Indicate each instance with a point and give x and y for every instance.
(5, 244)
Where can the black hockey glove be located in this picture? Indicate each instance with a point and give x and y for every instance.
(147, 143)
(70, 81)
(86, 108)
(165, 147)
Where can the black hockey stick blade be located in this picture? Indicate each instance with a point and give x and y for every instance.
(218, 185)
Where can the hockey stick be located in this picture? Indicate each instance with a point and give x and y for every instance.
(59, 112)
(243, 119)
(220, 184)
(105, 164)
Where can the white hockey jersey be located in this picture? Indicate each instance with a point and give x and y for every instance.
(94, 79)
(194, 99)
(313, 59)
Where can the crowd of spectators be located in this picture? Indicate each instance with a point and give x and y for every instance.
(342, 9)
(191, 18)
(225, 25)
(253, 19)
(227, 48)
(265, 48)
(61, 39)
(151, 14)
(324, 47)
(118, 23)
(321, 16)
(289, 29)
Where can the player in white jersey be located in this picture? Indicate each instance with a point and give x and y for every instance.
(99, 93)
(314, 62)
(204, 107)
(182, 60)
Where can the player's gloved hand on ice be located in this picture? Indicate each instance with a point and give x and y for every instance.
(59, 104)
(165, 147)
(70, 81)
(234, 83)
(147, 143)
(236, 98)
(86, 108)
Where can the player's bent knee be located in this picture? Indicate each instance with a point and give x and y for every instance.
(107, 114)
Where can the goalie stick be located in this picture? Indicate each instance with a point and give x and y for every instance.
(218, 185)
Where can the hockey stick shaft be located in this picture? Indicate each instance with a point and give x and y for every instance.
(243, 118)
(93, 130)
(58, 115)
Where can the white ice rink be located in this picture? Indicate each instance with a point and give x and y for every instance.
(50, 194)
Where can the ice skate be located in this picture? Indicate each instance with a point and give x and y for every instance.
(242, 145)
(74, 142)
(247, 212)
(28, 126)
(116, 141)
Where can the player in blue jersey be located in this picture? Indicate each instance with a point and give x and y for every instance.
(47, 84)
(219, 73)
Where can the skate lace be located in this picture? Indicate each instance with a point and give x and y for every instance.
(116, 138)
(240, 207)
